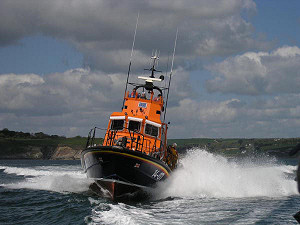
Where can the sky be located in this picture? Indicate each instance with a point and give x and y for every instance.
(63, 64)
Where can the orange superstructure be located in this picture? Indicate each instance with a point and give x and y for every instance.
(138, 126)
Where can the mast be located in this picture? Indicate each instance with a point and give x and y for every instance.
(155, 58)
(170, 75)
(129, 67)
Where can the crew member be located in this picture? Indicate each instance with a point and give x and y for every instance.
(143, 96)
(172, 156)
(158, 98)
(133, 94)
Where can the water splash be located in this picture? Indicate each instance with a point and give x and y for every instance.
(204, 174)
(42, 170)
(115, 214)
(201, 174)
(51, 178)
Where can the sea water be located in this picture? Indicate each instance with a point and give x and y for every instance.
(205, 189)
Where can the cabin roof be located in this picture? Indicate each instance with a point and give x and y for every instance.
(147, 109)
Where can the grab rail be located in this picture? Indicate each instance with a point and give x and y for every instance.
(135, 141)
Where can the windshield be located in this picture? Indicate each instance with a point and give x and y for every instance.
(134, 125)
(151, 130)
(117, 124)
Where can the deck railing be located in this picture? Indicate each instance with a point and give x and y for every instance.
(126, 138)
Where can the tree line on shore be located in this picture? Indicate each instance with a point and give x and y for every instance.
(6, 133)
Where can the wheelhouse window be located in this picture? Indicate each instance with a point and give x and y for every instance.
(134, 125)
(151, 130)
(117, 124)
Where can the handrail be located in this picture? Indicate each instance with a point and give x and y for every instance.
(137, 140)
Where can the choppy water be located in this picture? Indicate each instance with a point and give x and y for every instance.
(206, 189)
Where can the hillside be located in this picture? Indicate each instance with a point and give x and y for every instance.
(19, 145)
(279, 147)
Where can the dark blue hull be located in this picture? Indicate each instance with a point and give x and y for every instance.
(122, 171)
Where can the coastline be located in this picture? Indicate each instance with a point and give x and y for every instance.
(39, 153)
(70, 148)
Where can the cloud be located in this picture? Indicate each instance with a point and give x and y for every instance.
(103, 30)
(255, 118)
(78, 99)
(258, 73)
(57, 102)
(58, 93)
(72, 102)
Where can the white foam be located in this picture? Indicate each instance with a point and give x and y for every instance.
(116, 215)
(204, 174)
(201, 174)
(42, 170)
(51, 178)
(121, 214)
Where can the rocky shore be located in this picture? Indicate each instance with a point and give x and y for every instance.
(66, 153)
(42, 152)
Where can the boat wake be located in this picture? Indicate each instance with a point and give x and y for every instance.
(203, 174)
(200, 174)
(51, 178)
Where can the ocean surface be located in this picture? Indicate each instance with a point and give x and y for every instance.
(205, 189)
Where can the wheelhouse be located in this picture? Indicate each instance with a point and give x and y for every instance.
(138, 126)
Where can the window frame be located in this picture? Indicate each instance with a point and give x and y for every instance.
(157, 125)
(112, 121)
(112, 118)
(129, 118)
(140, 125)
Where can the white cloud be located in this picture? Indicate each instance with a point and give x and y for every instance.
(258, 73)
(271, 117)
(57, 93)
(103, 30)
(17, 91)
(205, 112)
(72, 102)
(56, 102)
(77, 99)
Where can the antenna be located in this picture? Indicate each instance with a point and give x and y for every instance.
(158, 58)
(155, 58)
(170, 75)
(174, 53)
(165, 85)
(129, 67)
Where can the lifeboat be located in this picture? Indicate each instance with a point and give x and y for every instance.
(134, 155)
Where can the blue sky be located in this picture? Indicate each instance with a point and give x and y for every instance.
(278, 20)
(47, 58)
(40, 55)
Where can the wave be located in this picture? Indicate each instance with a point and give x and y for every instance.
(204, 174)
(121, 213)
(200, 174)
(52, 178)
(41, 170)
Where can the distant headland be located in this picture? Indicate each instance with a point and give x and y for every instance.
(20, 145)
